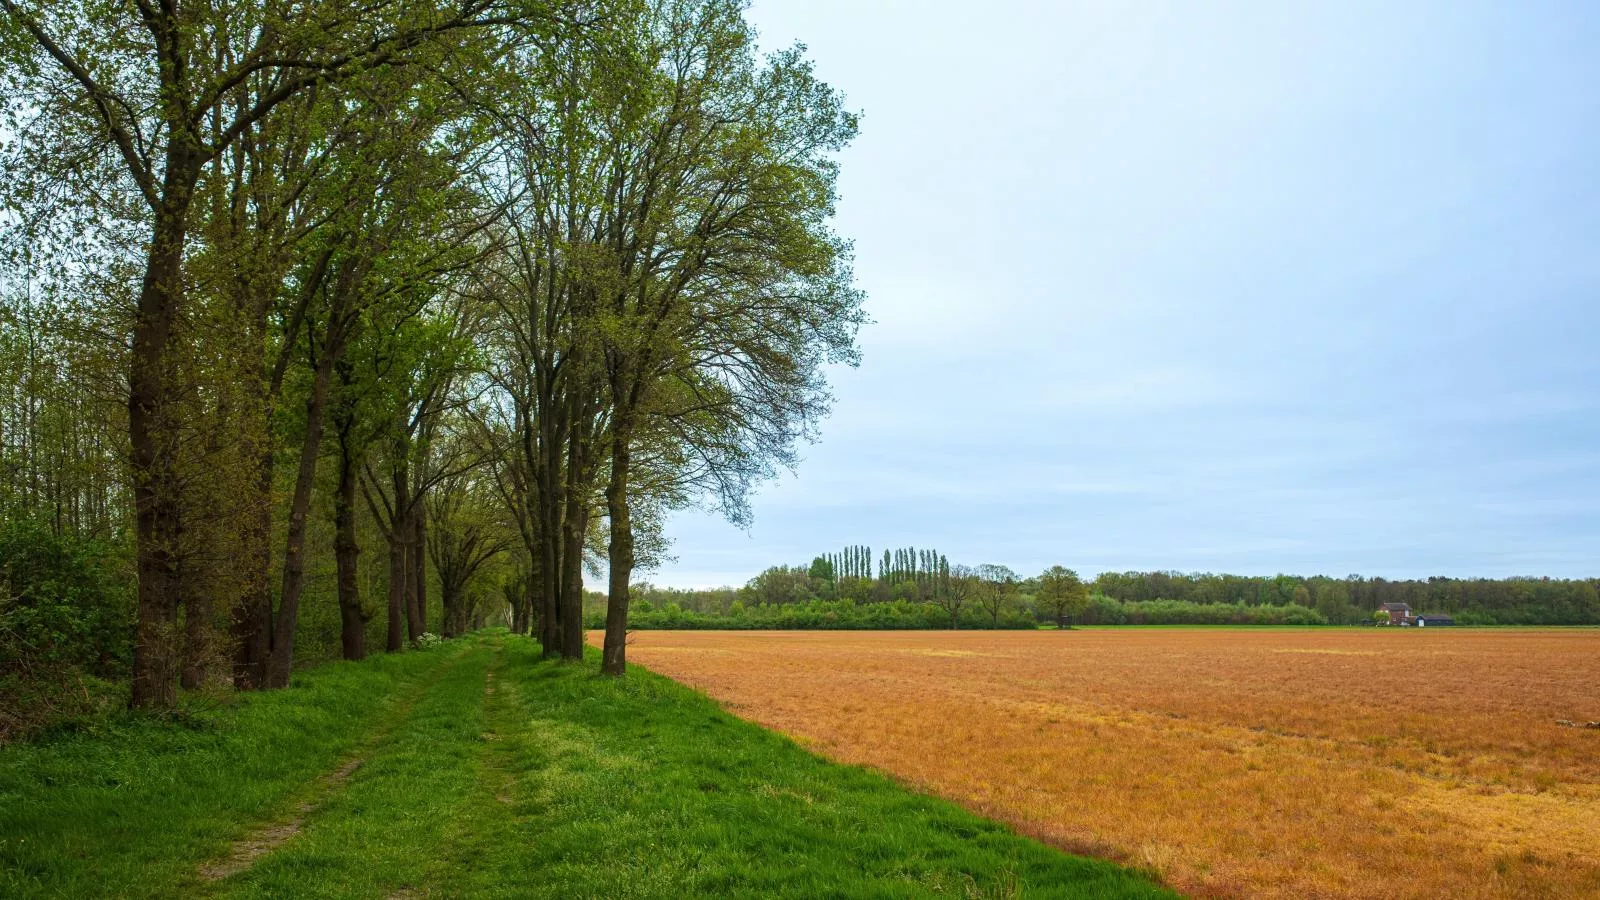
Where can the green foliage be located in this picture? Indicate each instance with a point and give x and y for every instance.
(63, 600)
(1061, 593)
(821, 569)
(66, 629)
(1103, 610)
(1351, 600)
(818, 614)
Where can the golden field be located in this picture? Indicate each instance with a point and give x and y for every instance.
(1288, 763)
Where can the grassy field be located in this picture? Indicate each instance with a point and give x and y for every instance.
(474, 770)
(1278, 762)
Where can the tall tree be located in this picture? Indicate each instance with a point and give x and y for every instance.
(996, 590)
(724, 277)
(1063, 593)
(956, 587)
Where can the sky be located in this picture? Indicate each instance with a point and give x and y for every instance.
(1234, 287)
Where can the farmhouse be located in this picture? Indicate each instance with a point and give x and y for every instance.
(1399, 613)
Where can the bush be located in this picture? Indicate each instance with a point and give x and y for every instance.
(63, 601)
(66, 627)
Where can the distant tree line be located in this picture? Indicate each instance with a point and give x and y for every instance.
(912, 588)
(908, 587)
(1351, 600)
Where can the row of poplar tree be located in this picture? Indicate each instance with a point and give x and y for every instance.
(507, 278)
(906, 564)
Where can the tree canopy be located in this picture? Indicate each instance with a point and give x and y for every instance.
(493, 285)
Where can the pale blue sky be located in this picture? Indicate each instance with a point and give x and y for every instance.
(1249, 287)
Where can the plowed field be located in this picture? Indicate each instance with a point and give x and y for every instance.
(1349, 762)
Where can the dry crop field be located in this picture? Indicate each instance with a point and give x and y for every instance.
(1290, 763)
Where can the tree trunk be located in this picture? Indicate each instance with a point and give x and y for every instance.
(530, 601)
(614, 656)
(252, 619)
(549, 574)
(574, 526)
(396, 637)
(197, 631)
(416, 581)
(152, 438)
(347, 551)
(452, 616)
(197, 611)
(572, 590)
(281, 661)
(449, 625)
(518, 595)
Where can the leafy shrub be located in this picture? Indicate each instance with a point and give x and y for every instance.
(66, 627)
(428, 640)
(63, 601)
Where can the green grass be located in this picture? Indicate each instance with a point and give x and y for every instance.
(487, 773)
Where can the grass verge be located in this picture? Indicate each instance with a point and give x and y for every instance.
(487, 773)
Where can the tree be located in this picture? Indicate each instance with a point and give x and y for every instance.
(822, 569)
(957, 586)
(723, 291)
(780, 585)
(1063, 593)
(996, 590)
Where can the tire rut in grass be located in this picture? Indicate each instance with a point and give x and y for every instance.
(462, 857)
(269, 837)
(502, 736)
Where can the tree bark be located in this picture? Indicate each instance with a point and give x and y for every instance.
(572, 590)
(574, 527)
(400, 569)
(197, 609)
(252, 619)
(416, 582)
(522, 613)
(620, 558)
(347, 551)
(153, 438)
(396, 637)
(549, 572)
(281, 661)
